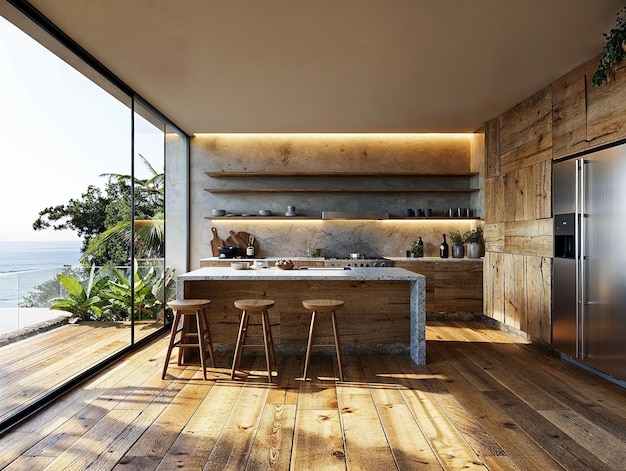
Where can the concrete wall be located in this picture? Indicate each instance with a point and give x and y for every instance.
(307, 156)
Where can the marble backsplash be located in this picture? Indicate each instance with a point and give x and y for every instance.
(286, 238)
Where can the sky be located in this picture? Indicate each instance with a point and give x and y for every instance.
(58, 132)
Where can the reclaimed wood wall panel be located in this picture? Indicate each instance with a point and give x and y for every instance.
(494, 199)
(514, 291)
(527, 121)
(494, 237)
(527, 154)
(539, 295)
(494, 286)
(532, 237)
(605, 109)
(569, 112)
(492, 148)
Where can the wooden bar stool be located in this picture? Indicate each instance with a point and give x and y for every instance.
(190, 311)
(255, 306)
(318, 306)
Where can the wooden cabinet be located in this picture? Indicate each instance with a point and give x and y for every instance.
(454, 288)
(586, 116)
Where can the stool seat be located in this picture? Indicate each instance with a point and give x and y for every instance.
(254, 304)
(319, 306)
(322, 305)
(189, 304)
(188, 312)
(248, 307)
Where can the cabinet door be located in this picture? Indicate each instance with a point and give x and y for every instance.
(428, 270)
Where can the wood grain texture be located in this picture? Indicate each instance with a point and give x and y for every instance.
(492, 148)
(569, 111)
(368, 305)
(485, 400)
(527, 121)
(605, 108)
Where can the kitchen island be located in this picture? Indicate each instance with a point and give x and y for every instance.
(384, 307)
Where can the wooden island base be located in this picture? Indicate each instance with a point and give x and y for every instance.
(383, 312)
(375, 317)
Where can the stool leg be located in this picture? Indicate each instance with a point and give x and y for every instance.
(201, 345)
(171, 343)
(208, 336)
(337, 345)
(309, 345)
(271, 340)
(269, 356)
(243, 327)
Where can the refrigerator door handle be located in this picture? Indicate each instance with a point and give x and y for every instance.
(581, 291)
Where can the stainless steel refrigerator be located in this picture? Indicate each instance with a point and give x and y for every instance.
(589, 264)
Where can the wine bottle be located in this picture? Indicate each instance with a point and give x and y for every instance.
(443, 248)
(250, 249)
(420, 248)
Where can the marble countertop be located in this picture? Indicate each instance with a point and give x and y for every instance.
(272, 273)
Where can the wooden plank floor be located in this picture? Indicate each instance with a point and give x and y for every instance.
(32, 367)
(485, 400)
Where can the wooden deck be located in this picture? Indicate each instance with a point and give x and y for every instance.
(486, 400)
(30, 368)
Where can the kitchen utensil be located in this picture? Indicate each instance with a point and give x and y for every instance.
(238, 241)
(228, 252)
(241, 241)
(260, 264)
(216, 242)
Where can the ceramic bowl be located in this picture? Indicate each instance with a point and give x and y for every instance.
(265, 212)
(218, 212)
(284, 266)
(240, 265)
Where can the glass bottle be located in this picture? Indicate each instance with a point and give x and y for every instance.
(250, 249)
(420, 248)
(443, 248)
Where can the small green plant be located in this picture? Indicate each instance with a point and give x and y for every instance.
(475, 235)
(148, 289)
(85, 302)
(457, 238)
(612, 50)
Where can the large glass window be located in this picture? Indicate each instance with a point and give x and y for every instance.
(83, 193)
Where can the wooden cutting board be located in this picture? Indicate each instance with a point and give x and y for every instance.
(216, 242)
(240, 239)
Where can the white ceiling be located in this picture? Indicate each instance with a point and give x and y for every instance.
(335, 65)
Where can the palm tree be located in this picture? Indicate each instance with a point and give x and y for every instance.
(149, 232)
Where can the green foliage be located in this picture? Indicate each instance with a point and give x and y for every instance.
(83, 301)
(475, 235)
(102, 219)
(457, 238)
(149, 290)
(109, 297)
(612, 51)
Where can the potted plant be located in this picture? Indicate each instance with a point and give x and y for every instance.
(476, 242)
(613, 49)
(458, 244)
(416, 249)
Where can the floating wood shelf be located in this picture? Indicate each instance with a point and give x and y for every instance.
(341, 190)
(319, 218)
(337, 174)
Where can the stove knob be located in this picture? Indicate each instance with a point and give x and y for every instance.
(383, 264)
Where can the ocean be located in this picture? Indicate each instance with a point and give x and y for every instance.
(25, 265)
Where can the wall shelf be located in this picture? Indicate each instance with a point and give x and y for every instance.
(341, 190)
(319, 218)
(336, 174)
